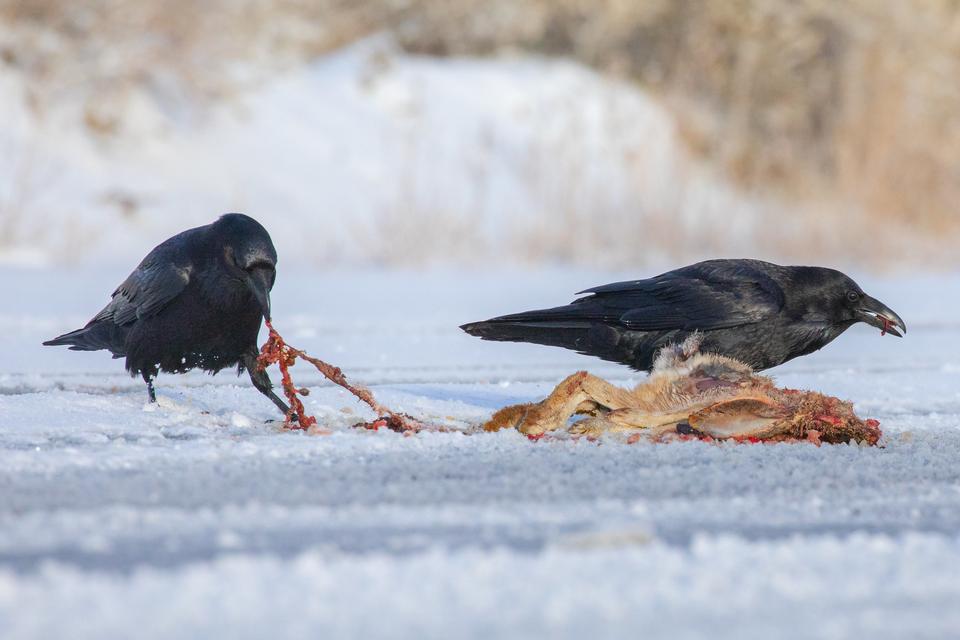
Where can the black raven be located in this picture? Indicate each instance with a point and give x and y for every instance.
(195, 301)
(756, 312)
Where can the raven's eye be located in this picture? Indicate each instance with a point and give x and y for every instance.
(853, 296)
(260, 264)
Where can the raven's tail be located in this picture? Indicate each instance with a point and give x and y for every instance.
(93, 337)
(558, 327)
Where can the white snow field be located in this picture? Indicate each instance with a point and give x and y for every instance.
(199, 519)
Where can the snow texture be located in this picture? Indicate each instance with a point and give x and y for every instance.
(197, 518)
(368, 155)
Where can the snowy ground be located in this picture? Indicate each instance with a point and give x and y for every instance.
(198, 519)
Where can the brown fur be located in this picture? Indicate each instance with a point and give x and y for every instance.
(689, 392)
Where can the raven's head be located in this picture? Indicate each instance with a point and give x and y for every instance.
(830, 297)
(249, 255)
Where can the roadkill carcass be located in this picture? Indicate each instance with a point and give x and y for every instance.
(691, 395)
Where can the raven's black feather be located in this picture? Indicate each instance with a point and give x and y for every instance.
(757, 312)
(191, 303)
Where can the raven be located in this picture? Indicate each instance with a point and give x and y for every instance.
(195, 301)
(759, 313)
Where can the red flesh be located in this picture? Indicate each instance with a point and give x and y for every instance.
(886, 325)
(276, 351)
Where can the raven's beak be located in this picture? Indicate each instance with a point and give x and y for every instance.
(258, 280)
(877, 314)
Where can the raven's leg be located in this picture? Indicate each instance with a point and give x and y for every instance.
(148, 375)
(261, 381)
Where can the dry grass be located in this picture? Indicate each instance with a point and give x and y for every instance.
(105, 50)
(839, 107)
(854, 101)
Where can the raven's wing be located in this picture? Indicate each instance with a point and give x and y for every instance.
(682, 302)
(705, 296)
(630, 322)
(156, 281)
(701, 297)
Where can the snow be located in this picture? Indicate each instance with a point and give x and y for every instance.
(372, 156)
(199, 518)
(708, 590)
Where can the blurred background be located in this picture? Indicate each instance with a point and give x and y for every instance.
(600, 133)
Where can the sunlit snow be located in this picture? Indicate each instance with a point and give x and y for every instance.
(198, 518)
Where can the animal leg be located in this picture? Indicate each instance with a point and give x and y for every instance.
(629, 419)
(580, 392)
(148, 375)
(508, 418)
(262, 382)
(513, 416)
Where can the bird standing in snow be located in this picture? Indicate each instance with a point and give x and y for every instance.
(195, 301)
(758, 313)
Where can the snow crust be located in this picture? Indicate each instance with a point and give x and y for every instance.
(197, 518)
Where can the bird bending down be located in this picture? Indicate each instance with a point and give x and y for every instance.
(195, 301)
(758, 313)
